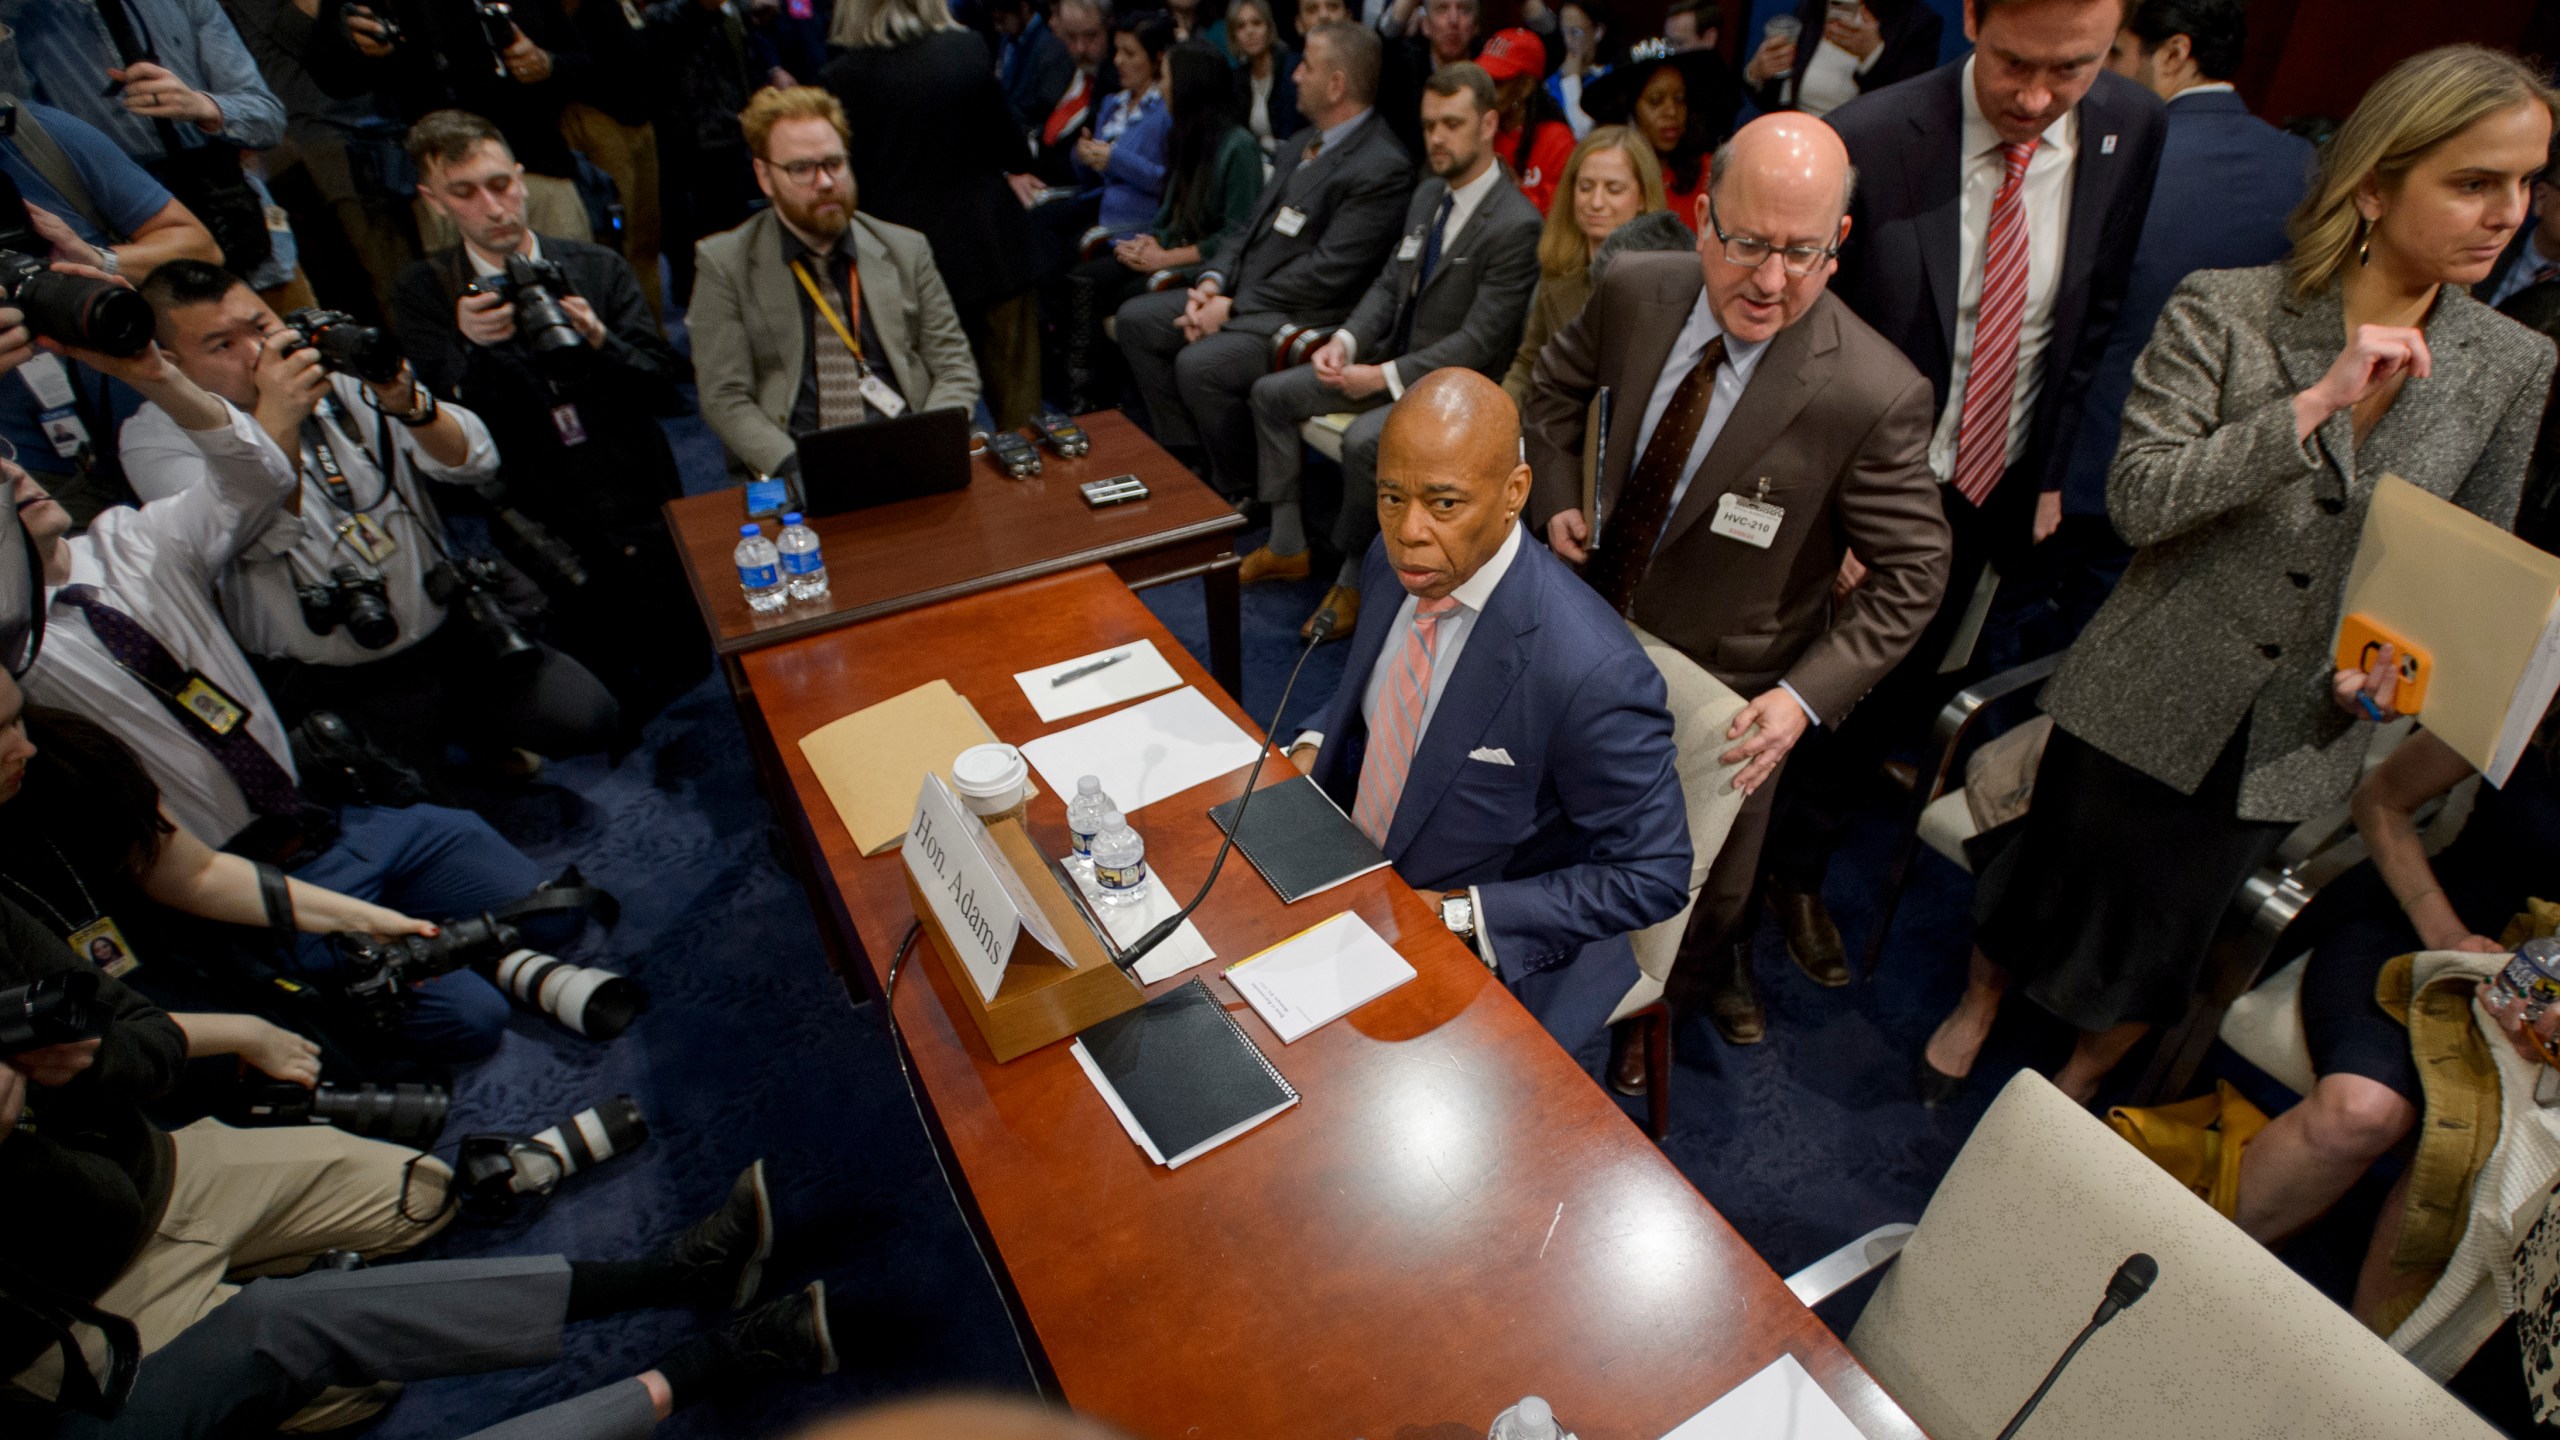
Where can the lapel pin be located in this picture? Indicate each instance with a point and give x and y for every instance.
(2107, 146)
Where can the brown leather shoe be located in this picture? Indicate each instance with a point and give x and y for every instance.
(1628, 1069)
(1902, 775)
(1263, 565)
(1732, 1005)
(1813, 942)
(1344, 602)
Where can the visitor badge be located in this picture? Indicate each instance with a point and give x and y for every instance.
(63, 430)
(211, 708)
(877, 394)
(1410, 249)
(366, 537)
(49, 380)
(101, 944)
(564, 418)
(1753, 521)
(1290, 220)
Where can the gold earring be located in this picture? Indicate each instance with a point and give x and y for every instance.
(2364, 241)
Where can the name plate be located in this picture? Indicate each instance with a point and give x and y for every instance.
(977, 896)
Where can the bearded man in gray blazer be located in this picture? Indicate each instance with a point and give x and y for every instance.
(771, 361)
(1455, 292)
(1758, 432)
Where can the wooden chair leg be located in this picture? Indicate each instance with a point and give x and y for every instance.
(1656, 1019)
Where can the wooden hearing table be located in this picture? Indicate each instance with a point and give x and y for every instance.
(997, 531)
(1454, 1216)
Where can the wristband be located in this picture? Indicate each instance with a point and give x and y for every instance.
(276, 897)
(414, 419)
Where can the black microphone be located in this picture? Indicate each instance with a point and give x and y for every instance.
(1317, 634)
(2131, 1282)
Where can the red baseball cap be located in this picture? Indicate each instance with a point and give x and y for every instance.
(1511, 54)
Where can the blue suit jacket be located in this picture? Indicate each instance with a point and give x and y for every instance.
(2227, 181)
(1578, 842)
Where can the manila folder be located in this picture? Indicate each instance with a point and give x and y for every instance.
(2482, 603)
(873, 761)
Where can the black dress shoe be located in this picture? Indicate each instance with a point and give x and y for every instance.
(1735, 1009)
(786, 1339)
(728, 1247)
(1937, 1087)
(1813, 941)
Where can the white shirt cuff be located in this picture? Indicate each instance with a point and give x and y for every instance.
(1484, 930)
(1395, 381)
(1306, 738)
(1800, 703)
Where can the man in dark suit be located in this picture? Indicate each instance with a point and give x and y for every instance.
(1758, 433)
(2029, 165)
(1498, 732)
(1315, 237)
(1455, 292)
(2227, 182)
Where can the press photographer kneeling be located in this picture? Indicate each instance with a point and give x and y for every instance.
(351, 600)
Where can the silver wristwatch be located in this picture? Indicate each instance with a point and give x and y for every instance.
(107, 260)
(1458, 912)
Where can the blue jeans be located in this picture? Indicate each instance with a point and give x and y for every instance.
(434, 863)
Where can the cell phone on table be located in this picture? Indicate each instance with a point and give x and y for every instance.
(768, 495)
(1118, 490)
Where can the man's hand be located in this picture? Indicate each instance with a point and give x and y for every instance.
(1203, 318)
(1862, 37)
(1140, 253)
(2367, 693)
(1026, 188)
(280, 1053)
(68, 248)
(583, 316)
(1775, 57)
(17, 342)
(1569, 535)
(485, 319)
(2048, 515)
(1331, 358)
(2375, 356)
(1777, 723)
(52, 1065)
(366, 32)
(151, 92)
(529, 63)
(1359, 382)
(1304, 757)
(289, 388)
(1853, 573)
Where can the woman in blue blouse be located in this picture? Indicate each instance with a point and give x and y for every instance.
(1125, 152)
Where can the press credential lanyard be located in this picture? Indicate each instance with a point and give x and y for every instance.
(853, 301)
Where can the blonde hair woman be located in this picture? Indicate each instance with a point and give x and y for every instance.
(2197, 718)
(1611, 178)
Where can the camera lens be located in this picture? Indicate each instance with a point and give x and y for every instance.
(364, 351)
(54, 1010)
(598, 1004)
(74, 309)
(367, 610)
(404, 1114)
(586, 1140)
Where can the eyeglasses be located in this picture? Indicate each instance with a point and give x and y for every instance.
(1751, 252)
(804, 171)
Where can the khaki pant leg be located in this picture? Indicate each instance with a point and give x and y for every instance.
(274, 1198)
(628, 153)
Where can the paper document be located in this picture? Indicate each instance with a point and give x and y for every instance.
(871, 761)
(1147, 752)
(1180, 951)
(1779, 1403)
(1140, 670)
(1318, 975)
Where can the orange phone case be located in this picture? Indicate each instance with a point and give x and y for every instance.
(2360, 635)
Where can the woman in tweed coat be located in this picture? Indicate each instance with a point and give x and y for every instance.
(2198, 718)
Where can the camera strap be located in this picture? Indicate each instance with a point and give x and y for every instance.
(277, 897)
(57, 1310)
(570, 892)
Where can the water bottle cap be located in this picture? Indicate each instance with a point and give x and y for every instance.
(1537, 1419)
(790, 517)
(1111, 820)
(751, 529)
(1088, 784)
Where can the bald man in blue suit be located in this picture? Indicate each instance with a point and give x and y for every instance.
(1498, 731)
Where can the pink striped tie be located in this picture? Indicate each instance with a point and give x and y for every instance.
(1982, 435)
(1398, 727)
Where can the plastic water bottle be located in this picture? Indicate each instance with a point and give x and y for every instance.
(804, 570)
(759, 570)
(1084, 821)
(1119, 862)
(1531, 1419)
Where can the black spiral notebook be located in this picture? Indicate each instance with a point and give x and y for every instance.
(1299, 839)
(1182, 1075)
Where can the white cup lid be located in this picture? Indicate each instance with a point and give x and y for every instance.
(988, 771)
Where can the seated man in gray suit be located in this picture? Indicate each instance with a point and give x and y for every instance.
(1455, 292)
(811, 315)
(1319, 231)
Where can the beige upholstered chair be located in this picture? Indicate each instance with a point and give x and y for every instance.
(551, 206)
(1702, 707)
(2014, 1253)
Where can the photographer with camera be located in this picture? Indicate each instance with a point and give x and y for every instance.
(551, 342)
(68, 196)
(341, 602)
(519, 62)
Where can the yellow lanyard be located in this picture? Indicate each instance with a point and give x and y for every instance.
(819, 298)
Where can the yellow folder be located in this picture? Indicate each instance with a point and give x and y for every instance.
(2483, 604)
(874, 760)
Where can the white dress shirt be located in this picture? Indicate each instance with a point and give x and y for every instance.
(158, 564)
(1463, 204)
(482, 269)
(1830, 77)
(301, 549)
(2046, 194)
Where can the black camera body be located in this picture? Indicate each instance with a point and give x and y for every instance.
(55, 1009)
(535, 287)
(377, 973)
(468, 584)
(354, 599)
(73, 309)
(347, 346)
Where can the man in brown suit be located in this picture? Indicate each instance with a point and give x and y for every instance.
(1759, 436)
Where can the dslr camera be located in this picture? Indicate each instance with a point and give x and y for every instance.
(354, 599)
(56, 1009)
(347, 347)
(468, 584)
(534, 287)
(72, 309)
(376, 974)
(406, 1113)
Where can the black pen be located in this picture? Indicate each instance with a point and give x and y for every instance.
(1081, 671)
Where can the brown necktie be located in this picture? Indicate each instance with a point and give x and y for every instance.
(1644, 503)
(839, 374)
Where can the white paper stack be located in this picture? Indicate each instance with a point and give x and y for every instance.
(1782, 1402)
(1318, 975)
(1157, 748)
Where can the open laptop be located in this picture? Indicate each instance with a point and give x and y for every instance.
(854, 467)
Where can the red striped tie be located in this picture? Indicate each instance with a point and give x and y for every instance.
(1398, 727)
(1982, 435)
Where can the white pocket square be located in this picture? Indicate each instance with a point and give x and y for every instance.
(1490, 754)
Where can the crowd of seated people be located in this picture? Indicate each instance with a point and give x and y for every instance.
(1844, 373)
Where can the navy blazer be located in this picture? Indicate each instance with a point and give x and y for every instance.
(1577, 843)
(1898, 270)
(2227, 182)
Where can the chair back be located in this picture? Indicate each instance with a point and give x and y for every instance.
(2015, 1251)
(1702, 707)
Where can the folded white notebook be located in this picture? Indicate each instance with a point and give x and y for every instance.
(1318, 975)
